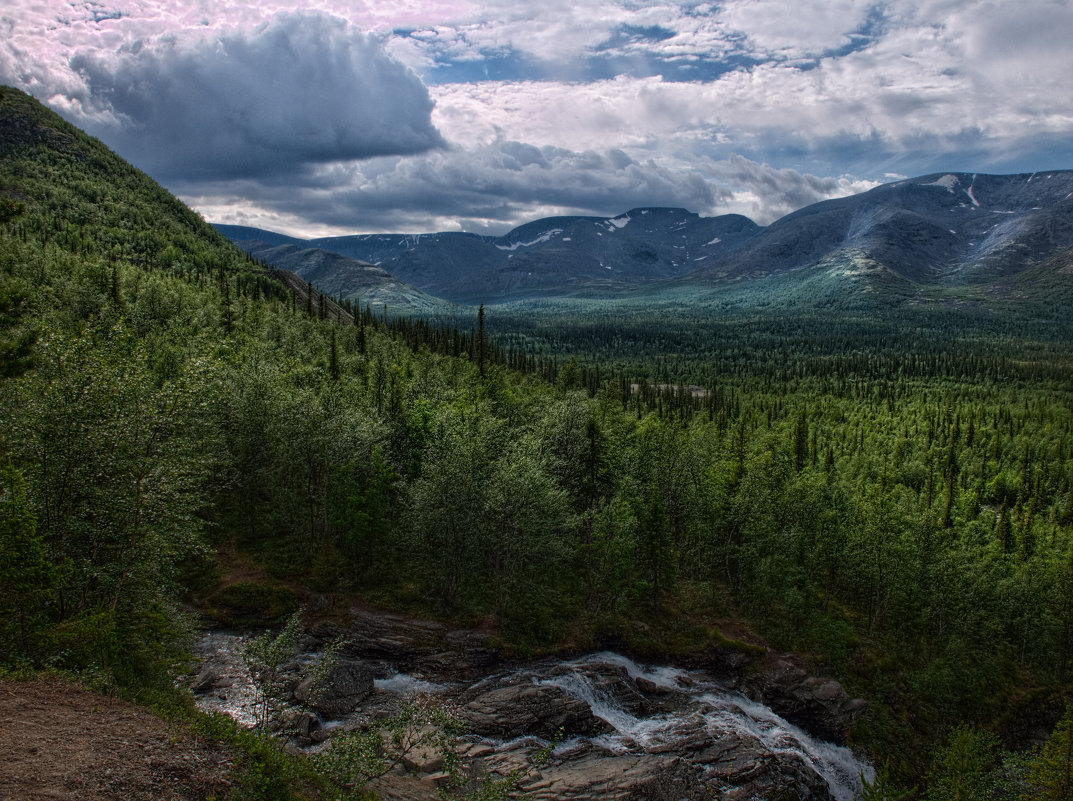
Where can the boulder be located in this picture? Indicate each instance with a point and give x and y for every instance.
(627, 777)
(820, 706)
(538, 710)
(348, 684)
(431, 649)
(205, 680)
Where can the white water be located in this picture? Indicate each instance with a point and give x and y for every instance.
(706, 707)
(838, 766)
(720, 712)
(240, 699)
(405, 684)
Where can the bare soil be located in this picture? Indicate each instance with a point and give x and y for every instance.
(61, 742)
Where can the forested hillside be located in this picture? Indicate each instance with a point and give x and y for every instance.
(900, 513)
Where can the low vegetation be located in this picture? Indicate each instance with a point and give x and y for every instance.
(892, 496)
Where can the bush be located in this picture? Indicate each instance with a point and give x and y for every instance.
(251, 604)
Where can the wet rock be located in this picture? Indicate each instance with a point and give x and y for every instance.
(597, 774)
(205, 680)
(300, 725)
(820, 706)
(649, 687)
(740, 766)
(432, 649)
(728, 768)
(679, 735)
(605, 680)
(529, 709)
(346, 686)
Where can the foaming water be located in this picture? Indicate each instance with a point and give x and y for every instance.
(239, 698)
(405, 684)
(706, 707)
(696, 704)
(668, 678)
(836, 764)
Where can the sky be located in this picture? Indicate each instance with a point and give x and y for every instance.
(439, 115)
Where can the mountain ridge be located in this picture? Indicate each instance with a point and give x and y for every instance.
(944, 231)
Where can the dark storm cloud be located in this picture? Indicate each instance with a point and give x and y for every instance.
(301, 90)
(504, 181)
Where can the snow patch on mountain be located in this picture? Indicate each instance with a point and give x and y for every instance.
(947, 181)
(968, 192)
(544, 237)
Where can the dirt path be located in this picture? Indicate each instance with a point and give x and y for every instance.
(59, 742)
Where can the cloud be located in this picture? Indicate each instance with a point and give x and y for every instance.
(766, 193)
(736, 105)
(790, 29)
(299, 90)
(495, 187)
(501, 184)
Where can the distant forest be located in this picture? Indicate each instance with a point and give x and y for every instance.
(889, 493)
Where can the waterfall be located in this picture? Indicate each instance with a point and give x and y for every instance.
(649, 709)
(719, 711)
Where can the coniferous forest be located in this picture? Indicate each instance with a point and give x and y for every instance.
(888, 492)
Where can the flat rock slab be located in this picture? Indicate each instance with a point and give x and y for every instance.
(529, 709)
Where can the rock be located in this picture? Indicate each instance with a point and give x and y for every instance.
(607, 680)
(698, 753)
(820, 706)
(426, 761)
(650, 687)
(347, 685)
(305, 723)
(739, 766)
(205, 680)
(729, 768)
(600, 775)
(301, 725)
(539, 710)
(432, 649)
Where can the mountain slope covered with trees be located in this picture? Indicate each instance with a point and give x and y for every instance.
(904, 519)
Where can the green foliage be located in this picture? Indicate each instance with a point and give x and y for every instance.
(466, 784)
(881, 788)
(27, 576)
(961, 768)
(363, 499)
(264, 769)
(1050, 773)
(420, 732)
(264, 657)
(251, 603)
(355, 758)
(889, 491)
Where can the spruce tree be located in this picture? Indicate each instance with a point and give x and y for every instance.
(26, 574)
(333, 358)
(480, 340)
(1050, 775)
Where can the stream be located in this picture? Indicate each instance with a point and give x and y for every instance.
(646, 721)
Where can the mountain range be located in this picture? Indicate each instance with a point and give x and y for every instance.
(962, 233)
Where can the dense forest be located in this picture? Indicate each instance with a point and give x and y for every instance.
(890, 494)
